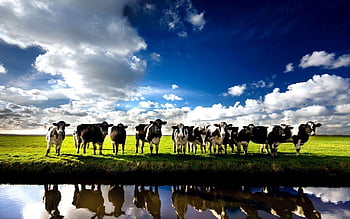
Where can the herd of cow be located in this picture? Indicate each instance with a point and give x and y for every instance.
(217, 137)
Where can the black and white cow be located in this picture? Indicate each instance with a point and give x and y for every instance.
(118, 137)
(94, 133)
(256, 134)
(230, 137)
(279, 134)
(215, 136)
(180, 138)
(151, 133)
(55, 135)
(140, 136)
(197, 136)
(304, 132)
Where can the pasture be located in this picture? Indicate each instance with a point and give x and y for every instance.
(324, 159)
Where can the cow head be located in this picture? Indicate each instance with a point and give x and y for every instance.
(200, 134)
(181, 131)
(120, 127)
(222, 129)
(158, 124)
(286, 131)
(231, 132)
(309, 127)
(104, 127)
(61, 125)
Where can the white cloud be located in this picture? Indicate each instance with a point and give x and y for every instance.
(289, 68)
(148, 104)
(197, 20)
(92, 41)
(174, 86)
(2, 69)
(324, 59)
(236, 90)
(171, 97)
(155, 57)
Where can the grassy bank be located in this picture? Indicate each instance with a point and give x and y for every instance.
(325, 160)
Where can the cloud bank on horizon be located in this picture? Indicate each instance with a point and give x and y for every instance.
(134, 61)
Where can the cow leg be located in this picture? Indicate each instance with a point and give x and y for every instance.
(58, 148)
(48, 148)
(151, 147)
(298, 147)
(116, 148)
(113, 146)
(175, 147)
(94, 146)
(225, 148)
(238, 145)
(142, 145)
(101, 146)
(245, 148)
(157, 148)
(123, 145)
(137, 145)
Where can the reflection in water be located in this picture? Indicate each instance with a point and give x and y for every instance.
(179, 201)
(272, 200)
(52, 198)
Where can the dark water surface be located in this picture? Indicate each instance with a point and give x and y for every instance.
(185, 201)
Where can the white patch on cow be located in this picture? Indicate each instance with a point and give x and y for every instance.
(155, 140)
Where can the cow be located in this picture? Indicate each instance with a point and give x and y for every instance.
(154, 133)
(279, 134)
(230, 137)
(140, 136)
(118, 136)
(197, 135)
(150, 133)
(215, 136)
(94, 133)
(55, 135)
(304, 132)
(243, 139)
(256, 134)
(180, 138)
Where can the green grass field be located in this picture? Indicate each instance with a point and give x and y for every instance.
(23, 156)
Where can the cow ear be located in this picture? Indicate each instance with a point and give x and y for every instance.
(151, 122)
(217, 125)
(164, 122)
(67, 125)
(318, 125)
(110, 125)
(291, 127)
(55, 124)
(126, 126)
(173, 127)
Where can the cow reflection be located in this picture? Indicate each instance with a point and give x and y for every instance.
(220, 200)
(148, 199)
(116, 196)
(91, 199)
(52, 198)
(285, 204)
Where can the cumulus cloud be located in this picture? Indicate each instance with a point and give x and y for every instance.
(197, 20)
(148, 104)
(171, 97)
(101, 47)
(2, 69)
(324, 59)
(174, 86)
(236, 90)
(289, 68)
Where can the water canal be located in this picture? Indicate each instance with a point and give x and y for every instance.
(185, 201)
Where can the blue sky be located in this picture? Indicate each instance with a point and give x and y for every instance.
(196, 62)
